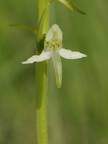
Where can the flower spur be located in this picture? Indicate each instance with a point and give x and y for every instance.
(54, 50)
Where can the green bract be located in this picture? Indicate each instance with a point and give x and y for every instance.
(68, 4)
(30, 28)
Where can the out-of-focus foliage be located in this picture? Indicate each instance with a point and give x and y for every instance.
(77, 113)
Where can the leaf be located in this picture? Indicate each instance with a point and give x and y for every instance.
(24, 27)
(68, 4)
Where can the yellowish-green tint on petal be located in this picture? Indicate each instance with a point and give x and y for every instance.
(57, 67)
(54, 33)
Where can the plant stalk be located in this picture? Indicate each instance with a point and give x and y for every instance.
(41, 77)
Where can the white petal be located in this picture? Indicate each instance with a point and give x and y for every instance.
(38, 58)
(68, 54)
(54, 33)
(57, 67)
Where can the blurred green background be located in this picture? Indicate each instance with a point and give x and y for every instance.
(78, 112)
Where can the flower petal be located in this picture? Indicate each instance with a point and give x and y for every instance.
(57, 67)
(68, 54)
(38, 58)
(54, 33)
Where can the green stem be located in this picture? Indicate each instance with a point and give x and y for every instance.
(41, 106)
(41, 77)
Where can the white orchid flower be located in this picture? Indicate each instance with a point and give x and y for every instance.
(54, 50)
